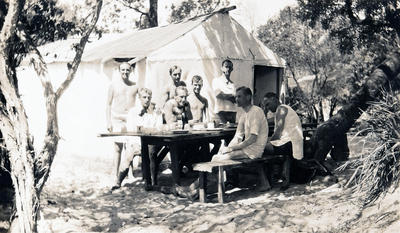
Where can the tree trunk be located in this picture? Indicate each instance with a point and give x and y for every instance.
(14, 127)
(153, 17)
(330, 133)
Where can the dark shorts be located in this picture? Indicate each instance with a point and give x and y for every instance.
(224, 117)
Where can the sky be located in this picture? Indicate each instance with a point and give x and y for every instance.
(249, 13)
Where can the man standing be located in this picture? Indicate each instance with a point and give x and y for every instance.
(175, 72)
(142, 116)
(121, 97)
(198, 104)
(252, 131)
(224, 90)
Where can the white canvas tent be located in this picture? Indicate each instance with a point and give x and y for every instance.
(198, 46)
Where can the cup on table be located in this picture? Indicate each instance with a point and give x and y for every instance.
(210, 125)
(139, 128)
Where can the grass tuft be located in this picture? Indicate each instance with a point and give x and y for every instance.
(377, 170)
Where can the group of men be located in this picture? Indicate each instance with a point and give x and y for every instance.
(251, 137)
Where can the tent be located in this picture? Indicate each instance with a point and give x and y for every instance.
(198, 46)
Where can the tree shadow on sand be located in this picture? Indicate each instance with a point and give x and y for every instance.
(131, 208)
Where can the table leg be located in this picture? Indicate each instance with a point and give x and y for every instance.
(146, 164)
(203, 187)
(174, 152)
(221, 185)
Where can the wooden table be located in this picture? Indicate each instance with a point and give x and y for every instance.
(174, 142)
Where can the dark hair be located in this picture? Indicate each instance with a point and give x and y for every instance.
(245, 90)
(271, 95)
(227, 61)
(173, 68)
(196, 78)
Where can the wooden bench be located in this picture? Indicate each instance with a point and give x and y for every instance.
(221, 166)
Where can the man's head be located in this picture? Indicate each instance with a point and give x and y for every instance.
(181, 94)
(125, 69)
(197, 83)
(243, 96)
(145, 97)
(175, 72)
(270, 102)
(227, 67)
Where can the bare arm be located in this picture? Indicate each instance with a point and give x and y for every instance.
(168, 113)
(224, 96)
(248, 141)
(280, 116)
(108, 107)
(205, 113)
(165, 96)
(239, 135)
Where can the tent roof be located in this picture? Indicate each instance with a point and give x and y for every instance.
(140, 43)
(137, 44)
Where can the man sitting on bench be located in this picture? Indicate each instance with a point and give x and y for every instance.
(287, 138)
(252, 131)
(249, 141)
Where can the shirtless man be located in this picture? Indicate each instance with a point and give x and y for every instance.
(175, 73)
(121, 97)
(198, 104)
(178, 108)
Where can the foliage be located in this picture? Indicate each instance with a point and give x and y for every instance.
(309, 52)
(378, 168)
(190, 8)
(356, 23)
(41, 21)
(147, 10)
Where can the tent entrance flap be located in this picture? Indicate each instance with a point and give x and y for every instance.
(266, 79)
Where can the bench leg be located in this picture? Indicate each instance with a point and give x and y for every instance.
(221, 185)
(203, 187)
(286, 172)
(264, 183)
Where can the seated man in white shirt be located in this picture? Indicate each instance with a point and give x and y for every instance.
(138, 116)
(287, 138)
(252, 131)
(249, 141)
(287, 127)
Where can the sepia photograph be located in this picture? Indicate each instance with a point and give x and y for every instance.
(181, 116)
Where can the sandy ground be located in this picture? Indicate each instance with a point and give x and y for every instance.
(77, 199)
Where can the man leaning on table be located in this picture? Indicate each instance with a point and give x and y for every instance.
(138, 116)
(177, 108)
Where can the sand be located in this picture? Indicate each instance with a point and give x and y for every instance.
(77, 198)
